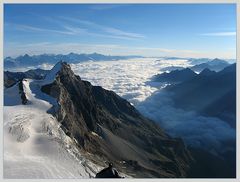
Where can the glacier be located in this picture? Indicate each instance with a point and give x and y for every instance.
(34, 144)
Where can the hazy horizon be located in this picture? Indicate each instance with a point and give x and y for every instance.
(14, 57)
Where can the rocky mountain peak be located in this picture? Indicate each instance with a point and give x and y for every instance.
(108, 127)
(66, 69)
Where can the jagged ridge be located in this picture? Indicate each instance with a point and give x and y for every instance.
(104, 124)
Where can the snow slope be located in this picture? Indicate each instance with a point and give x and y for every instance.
(52, 74)
(34, 144)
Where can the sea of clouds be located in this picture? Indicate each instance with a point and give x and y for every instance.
(128, 78)
(131, 79)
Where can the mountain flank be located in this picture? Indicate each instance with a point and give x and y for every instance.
(209, 93)
(106, 127)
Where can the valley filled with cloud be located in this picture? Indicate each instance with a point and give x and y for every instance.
(131, 79)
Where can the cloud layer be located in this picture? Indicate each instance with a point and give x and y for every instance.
(131, 80)
(126, 77)
(197, 131)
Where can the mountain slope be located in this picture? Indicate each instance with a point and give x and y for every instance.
(209, 93)
(175, 76)
(107, 127)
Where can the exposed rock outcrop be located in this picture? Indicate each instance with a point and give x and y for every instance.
(22, 92)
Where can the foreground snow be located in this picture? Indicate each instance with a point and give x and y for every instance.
(34, 144)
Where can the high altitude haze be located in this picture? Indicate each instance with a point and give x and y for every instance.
(184, 30)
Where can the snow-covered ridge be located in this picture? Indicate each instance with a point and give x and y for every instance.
(34, 144)
(50, 77)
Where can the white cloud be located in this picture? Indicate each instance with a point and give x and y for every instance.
(220, 34)
(76, 30)
(126, 77)
(44, 66)
(118, 32)
(106, 30)
(37, 29)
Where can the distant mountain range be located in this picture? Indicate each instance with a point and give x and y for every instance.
(195, 61)
(209, 93)
(27, 60)
(214, 65)
(181, 75)
(11, 78)
(200, 64)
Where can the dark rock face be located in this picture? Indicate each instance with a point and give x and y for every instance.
(111, 129)
(108, 172)
(22, 93)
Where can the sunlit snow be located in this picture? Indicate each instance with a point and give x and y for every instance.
(34, 144)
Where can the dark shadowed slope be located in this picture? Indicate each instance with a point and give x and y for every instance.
(109, 128)
(209, 93)
(175, 76)
(191, 109)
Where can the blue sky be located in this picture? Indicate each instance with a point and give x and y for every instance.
(183, 30)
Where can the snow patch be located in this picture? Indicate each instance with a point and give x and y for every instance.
(50, 77)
